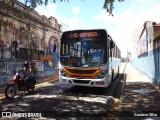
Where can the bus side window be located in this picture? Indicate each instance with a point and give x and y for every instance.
(110, 52)
(111, 44)
(113, 50)
(110, 49)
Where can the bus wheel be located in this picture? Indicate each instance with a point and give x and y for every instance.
(118, 72)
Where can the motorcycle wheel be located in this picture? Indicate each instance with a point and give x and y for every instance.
(10, 91)
(31, 88)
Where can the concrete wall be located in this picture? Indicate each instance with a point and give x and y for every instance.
(148, 61)
(44, 69)
(33, 34)
(149, 64)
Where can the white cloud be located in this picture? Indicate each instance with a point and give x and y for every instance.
(72, 23)
(49, 10)
(68, 23)
(121, 26)
(75, 10)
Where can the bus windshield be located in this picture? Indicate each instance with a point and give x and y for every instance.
(83, 52)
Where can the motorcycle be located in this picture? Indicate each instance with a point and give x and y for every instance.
(16, 84)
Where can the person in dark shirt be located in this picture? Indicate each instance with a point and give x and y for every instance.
(26, 73)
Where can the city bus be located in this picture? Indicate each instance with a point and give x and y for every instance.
(88, 58)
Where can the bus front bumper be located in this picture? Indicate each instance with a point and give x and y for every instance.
(86, 82)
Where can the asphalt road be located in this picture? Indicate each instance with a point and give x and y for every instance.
(62, 101)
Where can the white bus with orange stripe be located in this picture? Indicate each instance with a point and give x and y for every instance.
(88, 58)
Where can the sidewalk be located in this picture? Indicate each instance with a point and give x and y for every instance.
(140, 94)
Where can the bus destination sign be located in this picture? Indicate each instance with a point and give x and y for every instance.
(83, 34)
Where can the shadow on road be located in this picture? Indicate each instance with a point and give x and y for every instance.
(141, 96)
(55, 100)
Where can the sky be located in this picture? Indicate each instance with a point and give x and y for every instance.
(86, 14)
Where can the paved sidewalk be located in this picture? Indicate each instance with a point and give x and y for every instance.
(141, 96)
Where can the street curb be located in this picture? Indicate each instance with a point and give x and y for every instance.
(124, 81)
(124, 68)
(117, 101)
(41, 84)
(157, 87)
(123, 86)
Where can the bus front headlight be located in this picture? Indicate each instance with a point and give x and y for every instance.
(101, 74)
(64, 74)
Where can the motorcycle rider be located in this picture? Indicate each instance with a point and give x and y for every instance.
(21, 79)
(26, 73)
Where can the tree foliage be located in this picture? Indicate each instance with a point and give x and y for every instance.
(108, 4)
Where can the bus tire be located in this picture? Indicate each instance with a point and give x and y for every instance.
(118, 72)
